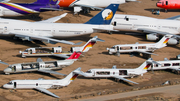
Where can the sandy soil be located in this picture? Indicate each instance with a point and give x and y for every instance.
(95, 58)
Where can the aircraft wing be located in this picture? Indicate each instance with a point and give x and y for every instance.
(87, 6)
(51, 72)
(146, 52)
(41, 38)
(61, 56)
(103, 29)
(54, 19)
(174, 18)
(47, 92)
(175, 69)
(121, 78)
(51, 9)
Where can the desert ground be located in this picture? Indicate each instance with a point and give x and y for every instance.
(97, 57)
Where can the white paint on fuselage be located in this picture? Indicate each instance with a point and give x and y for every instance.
(134, 22)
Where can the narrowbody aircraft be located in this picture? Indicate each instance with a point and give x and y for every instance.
(41, 84)
(20, 9)
(44, 30)
(118, 74)
(57, 51)
(152, 26)
(145, 49)
(86, 5)
(168, 4)
(42, 66)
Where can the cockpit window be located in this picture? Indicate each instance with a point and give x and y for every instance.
(10, 83)
(88, 71)
(113, 47)
(10, 67)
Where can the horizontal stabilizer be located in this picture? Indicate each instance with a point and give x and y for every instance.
(3, 63)
(78, 43)
(39, 60)
(51, 72)
(80, 73)
(61, 56)
(121, 78)
(47, 92)
(54, 19)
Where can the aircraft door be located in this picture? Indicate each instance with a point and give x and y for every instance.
(14, 68)
(15, 84)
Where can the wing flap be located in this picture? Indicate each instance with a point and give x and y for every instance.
(47, 92)
(121, 78)
(51, 72)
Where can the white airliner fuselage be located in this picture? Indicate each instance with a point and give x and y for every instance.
(149, 25)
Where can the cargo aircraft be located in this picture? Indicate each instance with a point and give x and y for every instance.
(46, 29)
(58, 51)
(20, 9)
(152, 26)
(118, 74)
(41, 84)
(42, 66)
(145, 49)
(86, 5)
(168, 4)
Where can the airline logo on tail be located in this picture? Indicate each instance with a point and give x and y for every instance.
(107, 14)
(166, 41)
(89, 45)
(147, 66)
(74, 77)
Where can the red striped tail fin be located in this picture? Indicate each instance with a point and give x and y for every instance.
(75, 55)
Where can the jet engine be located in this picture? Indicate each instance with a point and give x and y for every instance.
(173, 41)
(151, 37)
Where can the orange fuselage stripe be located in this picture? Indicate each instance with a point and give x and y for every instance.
(65, 3)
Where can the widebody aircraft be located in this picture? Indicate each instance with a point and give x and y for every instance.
(46, 29)
(19, 9)
(168, 4)
(86, 5)
(41, 84)
(58, 51)
(152, 26)
(42, 66)
(145, 49)
(118, 74)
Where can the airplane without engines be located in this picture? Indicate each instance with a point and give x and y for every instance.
(118, 74)
(57, 51)
(41, 84)
(20, 9)
(168, 4)
(46, 29)
(42, 66)
(145, 49)
(153, 27)
(86, 5)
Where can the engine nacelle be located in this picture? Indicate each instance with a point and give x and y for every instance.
(173, 41)
(152, 37)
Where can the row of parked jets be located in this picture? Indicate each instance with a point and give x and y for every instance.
(106, 20)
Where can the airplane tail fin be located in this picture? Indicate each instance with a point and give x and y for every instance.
(88, 45)
(163, 41)
(144, 66)
(105, 16)
(52, 2)
(71, 77)
(75, 55)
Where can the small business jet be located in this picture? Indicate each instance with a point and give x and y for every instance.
(19, 9)
(168, 4)
(154, 27)
(57, 51)
(86, 5)
(119, 74)
(145, 49)
(166, 64)
(44, 30)
(41, 84)
(42, 66)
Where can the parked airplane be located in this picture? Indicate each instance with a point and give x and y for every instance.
(43, 30)
(41, 84)
(42, 66)
(86, 5)
(119, 74)
(166, 64)
(145, 49)
(168, 4)
(57, 51)
(152, 26)
(19, 9)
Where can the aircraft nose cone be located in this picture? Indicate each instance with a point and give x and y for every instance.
(7, 70)
(5, 86)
